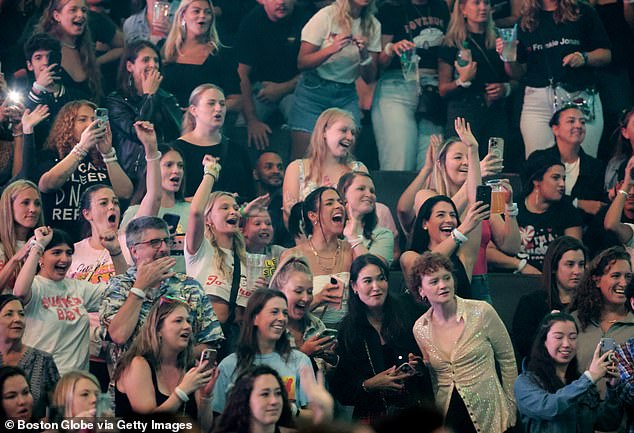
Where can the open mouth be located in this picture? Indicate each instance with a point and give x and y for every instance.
(175, 180)
(232, 221)
(218, 116)
(185, 335)
(619, 291)
(337, 217)
(61, 268)
(112, 218)
(78, 24)
(299, 309)
(278, 328)
(345, 144)
(447, 228)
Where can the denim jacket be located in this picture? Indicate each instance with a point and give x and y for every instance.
(574, 408)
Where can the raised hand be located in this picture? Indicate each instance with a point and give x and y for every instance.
(30, 119)
(44, 235)
(150, 273)
(92, 135)
(477, 212)
(463, 128)
(151, 81)
(147, 135)
(212, 165)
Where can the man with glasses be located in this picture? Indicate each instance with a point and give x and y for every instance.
(130, 296)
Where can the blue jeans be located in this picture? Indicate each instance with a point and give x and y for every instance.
(401, 139)
(313, 95)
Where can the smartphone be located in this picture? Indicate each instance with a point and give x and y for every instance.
(483, 194)
(210, 356)
(101, 114)
(496, 147)
(328, 332)
(406, 368)
(607, 344)
(172, 221)
(55, 57)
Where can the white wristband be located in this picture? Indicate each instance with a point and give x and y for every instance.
(520, 266)
(138, 292)
(182, 395)
(589, 376)
(366, 62)
(37, 86)
(389, 49)
(512, 210)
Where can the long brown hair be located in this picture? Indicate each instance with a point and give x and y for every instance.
(85, 45)
(147, 343)
(567, 11)
(589, 301)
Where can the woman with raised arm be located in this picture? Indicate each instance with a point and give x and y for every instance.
(79, 154)
(57, 307)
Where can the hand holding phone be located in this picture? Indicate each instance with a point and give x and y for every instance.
(208, 355)
(483, 194)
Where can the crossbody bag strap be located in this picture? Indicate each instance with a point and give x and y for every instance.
(235, 286)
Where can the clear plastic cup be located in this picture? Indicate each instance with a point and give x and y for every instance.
(409, 65)
(160, 15)
(498, 196)
(255, 269)
(509, 50)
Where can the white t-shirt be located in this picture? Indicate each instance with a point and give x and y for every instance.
(179, 212)
(90, 264)
(57, 320)
(572, 174)
(342, 67)
(201, 267)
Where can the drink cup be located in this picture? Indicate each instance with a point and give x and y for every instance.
(255, 269)
(509, 50)
(498, 197)
(409, 65)
(160, 15)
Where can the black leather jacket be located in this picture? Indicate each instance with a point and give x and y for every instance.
(161, 109)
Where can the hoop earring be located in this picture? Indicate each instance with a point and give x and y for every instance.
(183, 27)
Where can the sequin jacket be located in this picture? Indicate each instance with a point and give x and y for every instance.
(470, 368)
(574, 408)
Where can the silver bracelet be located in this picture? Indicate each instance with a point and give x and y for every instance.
(111, 154)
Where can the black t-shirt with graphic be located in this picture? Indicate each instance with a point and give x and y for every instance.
(271, 48)
(544, 49)
(538, 231)
(61, 207)
(425, 25)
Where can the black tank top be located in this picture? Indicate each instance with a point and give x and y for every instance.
(123, 408)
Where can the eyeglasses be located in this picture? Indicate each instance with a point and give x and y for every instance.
(156, 243)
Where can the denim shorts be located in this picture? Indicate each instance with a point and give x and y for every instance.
(313, 95)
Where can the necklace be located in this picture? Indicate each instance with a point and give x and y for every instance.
(331, 260)
(67, 45)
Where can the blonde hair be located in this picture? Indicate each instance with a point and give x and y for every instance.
(85, 46)
(439, 180)
(344, 20)
(567, 11)
(457, 31)
(238, 243)
(62, 136)
(318, 148)
(178, 33)
(65, 390)
(291, 263)
(189, 121)
(7, 230)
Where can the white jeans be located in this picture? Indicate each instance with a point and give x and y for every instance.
(401, 140)
(537, 112)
